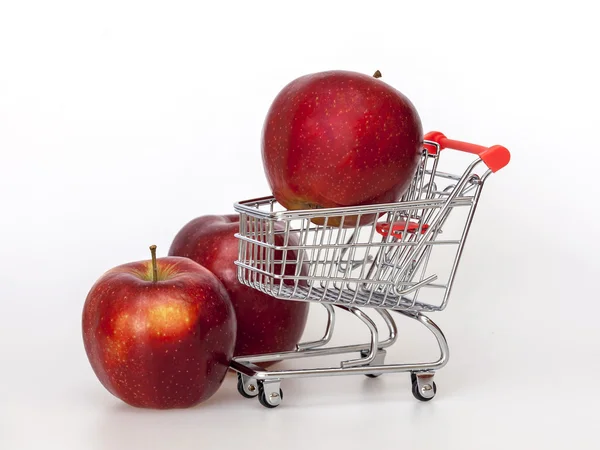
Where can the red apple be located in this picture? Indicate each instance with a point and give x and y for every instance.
(340, 138)
(264, 324)
(159, 334)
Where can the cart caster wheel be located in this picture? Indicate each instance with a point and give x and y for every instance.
(417, 394)
(379, 360)
(246, 386)
(423, 386)
(268, 395)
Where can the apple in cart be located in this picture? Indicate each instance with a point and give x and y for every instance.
(340, 138)
(265, 324)
(160, 333)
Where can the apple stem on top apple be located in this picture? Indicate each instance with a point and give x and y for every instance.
(377, 74)
(154, 265)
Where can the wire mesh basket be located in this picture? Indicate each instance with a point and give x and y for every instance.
(332, 256)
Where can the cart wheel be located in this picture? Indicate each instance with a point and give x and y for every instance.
(271, 401)
(247, 391)
(417, 393)
(372, 375)
(379, 359)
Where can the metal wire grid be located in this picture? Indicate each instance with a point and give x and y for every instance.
(284, 254)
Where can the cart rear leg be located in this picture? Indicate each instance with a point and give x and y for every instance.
(367, 356)
(423, 386)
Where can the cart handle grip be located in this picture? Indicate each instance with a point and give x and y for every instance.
(495, 157)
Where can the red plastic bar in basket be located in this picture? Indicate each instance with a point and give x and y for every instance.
(400, 227)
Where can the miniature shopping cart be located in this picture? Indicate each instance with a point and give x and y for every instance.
(400, 257)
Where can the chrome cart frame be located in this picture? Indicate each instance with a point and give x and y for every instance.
(379, 257)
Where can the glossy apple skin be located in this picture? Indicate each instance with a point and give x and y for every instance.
(264, 324)
(340, 138)
(159, 345)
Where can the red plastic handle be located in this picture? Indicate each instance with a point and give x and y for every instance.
(495, 157)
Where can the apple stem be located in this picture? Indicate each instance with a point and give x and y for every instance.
(377, 74)
(154, 265)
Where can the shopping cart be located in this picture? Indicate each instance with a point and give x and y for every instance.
(380, 258)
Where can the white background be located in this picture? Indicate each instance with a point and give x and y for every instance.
(122, 120)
